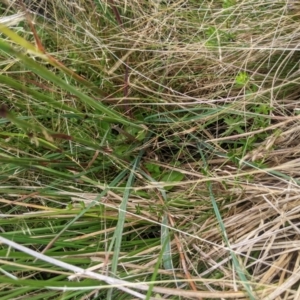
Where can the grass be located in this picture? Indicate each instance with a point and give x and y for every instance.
(149, 150)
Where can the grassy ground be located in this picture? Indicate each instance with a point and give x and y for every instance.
(150, 150)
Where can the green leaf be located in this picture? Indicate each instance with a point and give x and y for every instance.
(171, 176)
(153, 169)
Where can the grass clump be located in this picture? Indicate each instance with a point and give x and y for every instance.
(149, 150)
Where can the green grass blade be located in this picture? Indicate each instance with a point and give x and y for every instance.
(118, 235)
(40, 97)
(48, 75)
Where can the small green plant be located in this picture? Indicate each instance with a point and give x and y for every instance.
(242, 79)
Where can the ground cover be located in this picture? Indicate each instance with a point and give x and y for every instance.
(149, 149)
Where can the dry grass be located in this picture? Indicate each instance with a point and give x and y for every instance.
(216, 84)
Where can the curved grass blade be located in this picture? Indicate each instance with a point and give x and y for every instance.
(48, 75)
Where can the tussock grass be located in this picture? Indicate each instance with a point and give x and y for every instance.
(149, 150)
